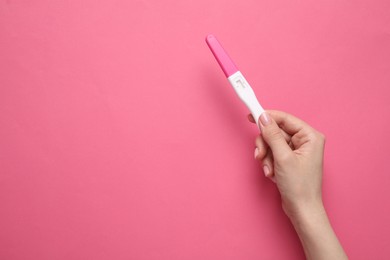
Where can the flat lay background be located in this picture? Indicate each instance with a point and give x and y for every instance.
(120, 138)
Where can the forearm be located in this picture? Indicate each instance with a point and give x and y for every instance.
(316, 234)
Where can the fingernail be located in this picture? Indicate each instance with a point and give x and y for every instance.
(264, 119)
(266, 170)
(256, 152)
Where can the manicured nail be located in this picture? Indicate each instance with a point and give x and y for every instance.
(266, 170)
(264, 118)
(256, 152)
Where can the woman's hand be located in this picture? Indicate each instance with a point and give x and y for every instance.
(291, 153)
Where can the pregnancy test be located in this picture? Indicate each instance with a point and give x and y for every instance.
(235, 77)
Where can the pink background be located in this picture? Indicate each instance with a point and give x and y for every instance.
(120, 138)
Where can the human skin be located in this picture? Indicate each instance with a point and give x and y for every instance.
(291, 153)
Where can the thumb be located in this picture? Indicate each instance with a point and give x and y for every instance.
(273, 136)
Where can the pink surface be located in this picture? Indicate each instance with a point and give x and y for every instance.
(227, 65)
(120, 137)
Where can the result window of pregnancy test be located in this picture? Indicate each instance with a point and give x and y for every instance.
(240, 83)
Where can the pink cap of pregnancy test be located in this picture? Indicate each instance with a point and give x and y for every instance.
(227, 65)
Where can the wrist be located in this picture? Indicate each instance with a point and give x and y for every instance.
(316, 233)
(306, 212)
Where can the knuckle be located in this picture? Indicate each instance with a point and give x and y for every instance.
(273, 133)
(284, 158)
(320, 137)
(317, 137)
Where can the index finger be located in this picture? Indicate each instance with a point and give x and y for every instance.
(289, 123)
